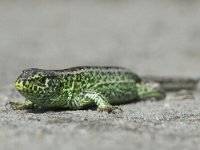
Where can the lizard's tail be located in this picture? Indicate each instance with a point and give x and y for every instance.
(150, 90)
(174, 83)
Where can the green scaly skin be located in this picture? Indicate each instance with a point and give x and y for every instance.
(82, 87)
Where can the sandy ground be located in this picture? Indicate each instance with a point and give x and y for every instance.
(159, 38)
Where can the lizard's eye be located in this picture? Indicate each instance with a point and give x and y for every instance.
(42, 80)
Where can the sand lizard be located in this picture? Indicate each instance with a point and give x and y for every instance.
(83, 87)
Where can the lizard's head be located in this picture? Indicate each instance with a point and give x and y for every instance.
(38, 84)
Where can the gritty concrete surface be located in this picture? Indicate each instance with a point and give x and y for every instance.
(157, 37)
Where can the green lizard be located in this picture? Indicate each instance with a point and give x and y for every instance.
(82, 87)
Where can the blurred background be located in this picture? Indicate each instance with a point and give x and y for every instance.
(151, 37)
(157, 37)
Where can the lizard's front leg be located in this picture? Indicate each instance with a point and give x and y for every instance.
(22, 106)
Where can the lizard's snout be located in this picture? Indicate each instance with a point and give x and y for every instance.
(20, 86)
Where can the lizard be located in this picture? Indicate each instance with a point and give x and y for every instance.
(83, 87)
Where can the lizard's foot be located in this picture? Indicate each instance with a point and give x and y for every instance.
(20, 106)
(107, 108)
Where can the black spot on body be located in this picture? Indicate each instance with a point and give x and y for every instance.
(35, 88)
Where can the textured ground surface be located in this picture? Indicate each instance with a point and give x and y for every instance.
(150, 37)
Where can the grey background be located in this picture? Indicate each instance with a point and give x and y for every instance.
(157, 37)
